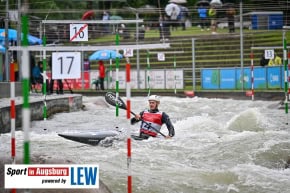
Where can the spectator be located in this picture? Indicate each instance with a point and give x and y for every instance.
(102, 74)
(16, 69)
(202, 12)
(59, 84)
(124, 32)
(172, 11)
(263, 60)
(37, 78)
(96, 82)
(231, 19)
(87, 66)
(164, 29)
(141, 35)
(212, 13)
(183, 15)
(276, 61)
(106, 17)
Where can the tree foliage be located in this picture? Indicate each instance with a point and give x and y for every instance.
(59, 9)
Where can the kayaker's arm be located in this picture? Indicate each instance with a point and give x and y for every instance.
(137, 118)
(169, 125)
(134, 120)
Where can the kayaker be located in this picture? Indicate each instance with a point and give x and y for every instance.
(152, 120)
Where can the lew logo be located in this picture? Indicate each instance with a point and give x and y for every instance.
(83, 175)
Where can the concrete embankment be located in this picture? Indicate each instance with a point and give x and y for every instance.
(54, 104)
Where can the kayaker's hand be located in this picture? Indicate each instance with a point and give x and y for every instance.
(137, 117)
(168, 137)
(133, 121)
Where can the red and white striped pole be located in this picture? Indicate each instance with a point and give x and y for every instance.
(252, 74)
(128, 95)
(12, 114)
(12, 109)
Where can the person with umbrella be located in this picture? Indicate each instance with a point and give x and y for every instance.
(183, 15)
(202, 12)
(102, 74)
(172, 11)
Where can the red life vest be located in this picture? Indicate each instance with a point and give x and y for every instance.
(152, 120)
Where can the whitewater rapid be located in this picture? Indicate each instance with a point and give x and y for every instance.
(221, 146)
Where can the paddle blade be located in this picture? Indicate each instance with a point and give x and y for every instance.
(110, 97)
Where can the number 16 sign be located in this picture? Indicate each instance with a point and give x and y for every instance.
(66, 65)
(78, 32)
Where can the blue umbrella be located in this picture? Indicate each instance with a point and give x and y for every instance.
(105, 55)
(12, 36)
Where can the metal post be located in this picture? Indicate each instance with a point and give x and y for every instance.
(137, 51)
(83, 69)
(193, 63)
(242, 43)
(19, 38)
(286, 82)
(7, 68)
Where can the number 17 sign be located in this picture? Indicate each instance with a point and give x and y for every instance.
(66, 65)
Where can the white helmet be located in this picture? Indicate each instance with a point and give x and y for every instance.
(154, 98)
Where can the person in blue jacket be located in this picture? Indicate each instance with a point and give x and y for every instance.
(152, 120)
(202, 13)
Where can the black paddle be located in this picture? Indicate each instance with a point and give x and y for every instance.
(111, 99)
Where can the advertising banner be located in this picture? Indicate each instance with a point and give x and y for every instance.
(56, 176)
(271, 77)
(73, 83)
(260, 81)
(228, 78)
(274, 77)
(246, 77)
(210, 78)
(157, 79)
(174, 79)
(134, 80)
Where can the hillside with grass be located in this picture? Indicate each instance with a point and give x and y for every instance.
(211, 51)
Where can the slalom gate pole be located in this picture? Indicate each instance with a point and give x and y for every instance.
(128, 95)
(44, 86)
(12, 110)
(148, 73)
(110, 72)
(252, 74)
(174, 66)
(12, 114)
(285, 61)
(25, 87)
(117, 75)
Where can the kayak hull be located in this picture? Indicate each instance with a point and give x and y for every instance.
(89, 138)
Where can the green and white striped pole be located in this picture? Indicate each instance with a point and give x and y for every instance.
(25, 89)
(110, 72)
(44, 79)
(148, 73)
(285, 61)
(174, 66)
(117, 76)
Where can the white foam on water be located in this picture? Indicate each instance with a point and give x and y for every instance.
(221, 145)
